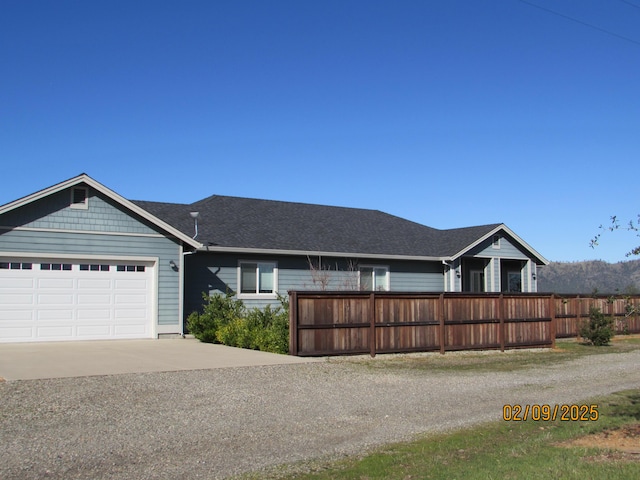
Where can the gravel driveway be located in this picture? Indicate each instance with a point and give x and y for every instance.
(219, 423)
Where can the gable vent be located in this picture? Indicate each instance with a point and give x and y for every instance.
(79, 197)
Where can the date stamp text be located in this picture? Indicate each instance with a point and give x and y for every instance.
(565, 413)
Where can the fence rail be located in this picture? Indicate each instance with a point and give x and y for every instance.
(343, 323)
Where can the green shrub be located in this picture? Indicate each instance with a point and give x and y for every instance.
(218, 310)
(225, 320)
(598, 330)
(236, 334)
(271, 327)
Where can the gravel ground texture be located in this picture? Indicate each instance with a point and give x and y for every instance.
(212, 424)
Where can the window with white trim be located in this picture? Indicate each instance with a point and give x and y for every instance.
(495, 242)
(374, 277)
(257, 278)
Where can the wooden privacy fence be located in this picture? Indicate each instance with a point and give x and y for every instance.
(572, 310)
(343, 323)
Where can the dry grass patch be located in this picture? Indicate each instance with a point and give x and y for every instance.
(617, 444)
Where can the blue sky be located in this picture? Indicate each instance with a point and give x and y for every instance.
(448, 113)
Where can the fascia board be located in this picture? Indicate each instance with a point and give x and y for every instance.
(84, 178)
(39, 194)
(273, 251)
(502, 227)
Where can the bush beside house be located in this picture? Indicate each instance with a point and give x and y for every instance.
(226, 320)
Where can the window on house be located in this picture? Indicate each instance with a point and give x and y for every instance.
(496, 241)
(374, 278)
(257, 278)
(80, 197)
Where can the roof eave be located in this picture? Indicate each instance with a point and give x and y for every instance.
(315, 253)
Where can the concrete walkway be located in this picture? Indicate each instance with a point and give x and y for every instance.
(28, 361)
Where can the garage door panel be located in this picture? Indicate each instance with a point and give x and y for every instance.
(130, 313)
(16, 299)
(94, 299)
(129, 330)
(93, 314)
(83, 300)
(12, 315)
(55, 299)
(130, 300)
(94, 331)
(53, 331)
(54, 315)
(94, 284)
(16, 282)
(56, 283)
(16, 333)
(130, 284)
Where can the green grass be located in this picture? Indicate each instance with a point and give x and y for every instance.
(501, 450)
(495, 361)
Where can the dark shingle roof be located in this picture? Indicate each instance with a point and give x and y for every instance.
(236, 222)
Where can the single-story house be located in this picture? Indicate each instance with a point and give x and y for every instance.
(79, 261)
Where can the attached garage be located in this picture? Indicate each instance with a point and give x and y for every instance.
(79, 262)
(43, 299)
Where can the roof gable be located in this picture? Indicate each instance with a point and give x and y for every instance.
(54, 192)
(502, 228)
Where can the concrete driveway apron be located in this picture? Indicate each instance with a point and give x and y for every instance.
(28, 361)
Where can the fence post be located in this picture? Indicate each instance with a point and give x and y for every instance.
(442, 332)
(293, 323)
(372, 320)
(552, 312)
(501, 317)
(578, 309)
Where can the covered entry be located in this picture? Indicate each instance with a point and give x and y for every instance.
(511, 275)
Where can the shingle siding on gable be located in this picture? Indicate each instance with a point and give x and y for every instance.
(507, 250)
(54, 212)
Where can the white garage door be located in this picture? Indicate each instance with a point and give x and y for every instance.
(58, 299)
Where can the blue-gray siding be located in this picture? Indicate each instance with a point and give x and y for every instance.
(218, 273)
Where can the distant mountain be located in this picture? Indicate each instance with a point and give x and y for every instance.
(590, 276)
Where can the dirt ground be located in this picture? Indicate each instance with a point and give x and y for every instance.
(616, 444)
